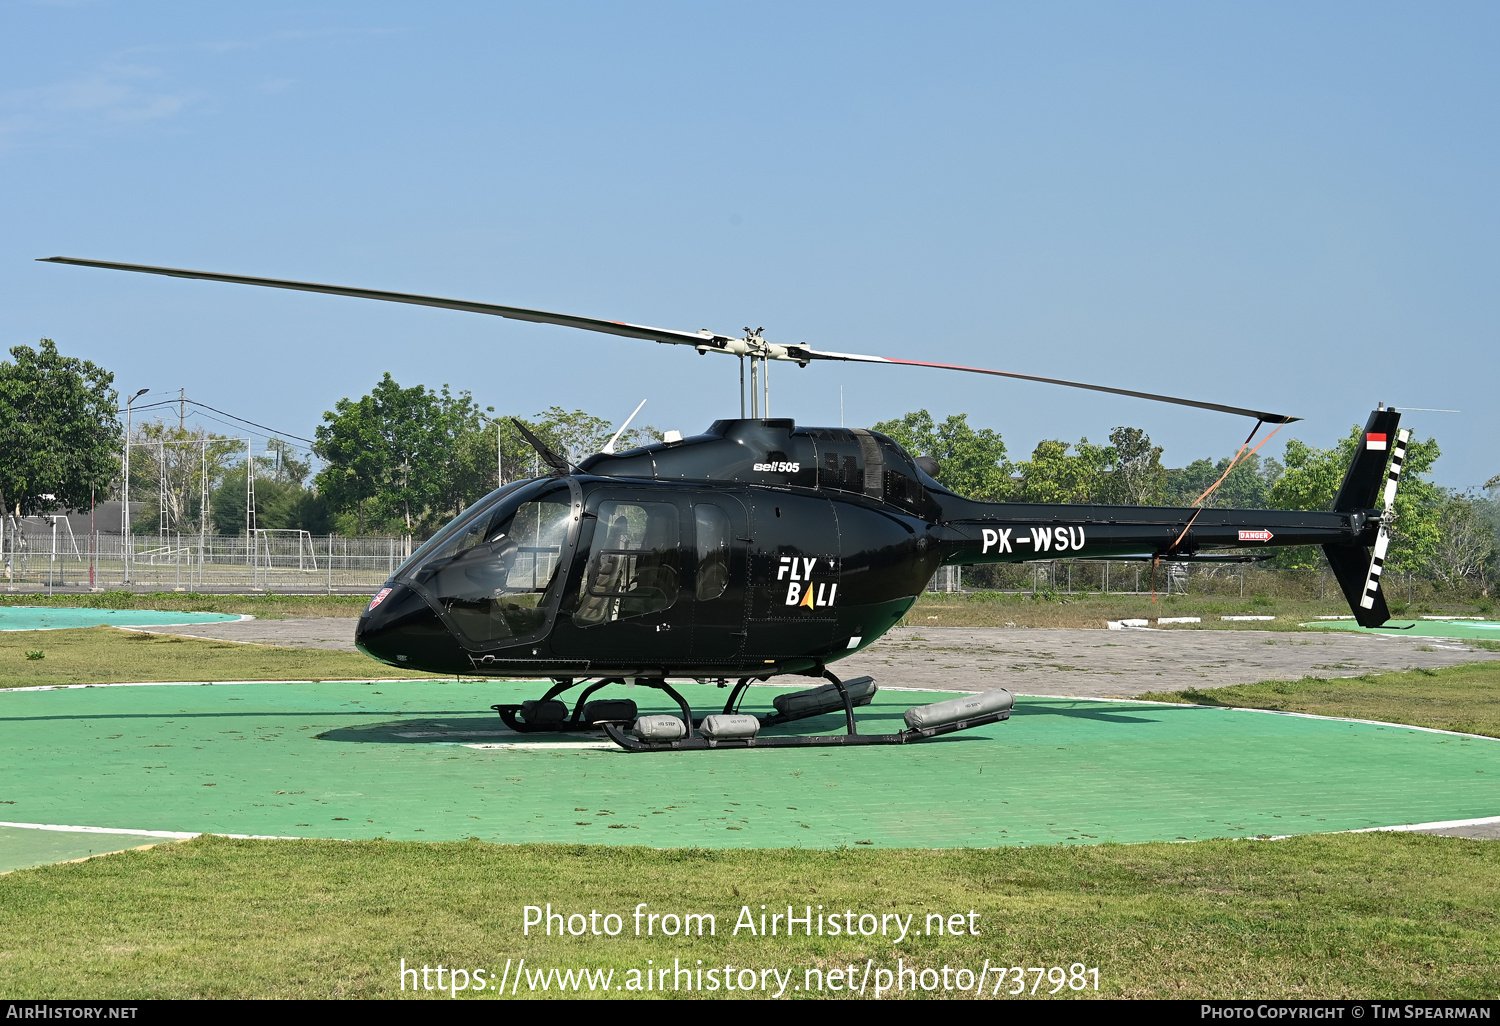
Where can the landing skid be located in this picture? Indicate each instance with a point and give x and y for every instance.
(616, 732)
(617, 718)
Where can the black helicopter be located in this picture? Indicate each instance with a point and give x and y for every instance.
(760, 548)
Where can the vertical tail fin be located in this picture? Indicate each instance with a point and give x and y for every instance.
(1357, 568)
(1363, 479)
(1351, 565)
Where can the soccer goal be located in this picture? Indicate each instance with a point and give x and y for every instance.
(278, 547)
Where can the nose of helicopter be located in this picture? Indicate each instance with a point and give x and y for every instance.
(399, 628)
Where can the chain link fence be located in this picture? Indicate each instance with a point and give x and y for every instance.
(1229, 580)
(43, 554)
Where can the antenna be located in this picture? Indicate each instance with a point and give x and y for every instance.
(609, 446)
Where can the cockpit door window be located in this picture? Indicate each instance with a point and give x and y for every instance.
(713, 531)
(633, 565)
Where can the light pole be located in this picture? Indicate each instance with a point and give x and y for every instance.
(125, 495)
(499, 452)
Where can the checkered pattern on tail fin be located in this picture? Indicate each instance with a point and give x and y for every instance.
(1383, 539)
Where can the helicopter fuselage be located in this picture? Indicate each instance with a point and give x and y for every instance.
(754, 549)
(757, 548)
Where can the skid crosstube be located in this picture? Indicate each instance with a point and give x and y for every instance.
(578, 721)
(508, 715)
(616, 732)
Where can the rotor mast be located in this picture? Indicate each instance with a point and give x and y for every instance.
(760, 353)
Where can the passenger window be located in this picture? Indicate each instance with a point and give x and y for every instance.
(633, 565)
(713, 551)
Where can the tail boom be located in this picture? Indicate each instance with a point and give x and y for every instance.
(1018, 532)
(1354, 535)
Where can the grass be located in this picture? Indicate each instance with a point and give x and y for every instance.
(267, 607)
(96, 655)
(1462, 698)
(1084, 609)
(1336, 916)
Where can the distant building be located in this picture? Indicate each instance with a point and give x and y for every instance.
(105, 518)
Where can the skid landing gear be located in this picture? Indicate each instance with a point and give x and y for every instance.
(547, 714)
(732, 729)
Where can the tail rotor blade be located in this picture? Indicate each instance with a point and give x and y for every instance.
(1383, 538)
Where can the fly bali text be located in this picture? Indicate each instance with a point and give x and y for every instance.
(796, 572)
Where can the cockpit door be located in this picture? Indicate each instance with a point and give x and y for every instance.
(494, 575)
(627, 604)
(721, 538)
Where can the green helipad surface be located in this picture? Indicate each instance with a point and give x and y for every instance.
(20, 848)
(1468, 629)
(47, 618)
(406, 760)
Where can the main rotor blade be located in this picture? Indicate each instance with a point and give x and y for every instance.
(669, 335)
(703, 338)
(1269, 418)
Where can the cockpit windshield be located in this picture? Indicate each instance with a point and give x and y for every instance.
(492, 571)
(458, 524)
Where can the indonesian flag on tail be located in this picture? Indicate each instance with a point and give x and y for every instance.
(1375, 440)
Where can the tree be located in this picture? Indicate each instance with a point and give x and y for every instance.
(279, 505)
(59, 437)
(1488, 508)
(410, 458)
(1248, 485)
(573, 436)
(971, 462)
(385, 455)
(469, 462)
(1054, 475)
(1138, 478)
(169, 462)
(915, 432)
(280, 464)
(1464, 550)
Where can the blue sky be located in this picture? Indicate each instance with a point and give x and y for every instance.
(1285, 206)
